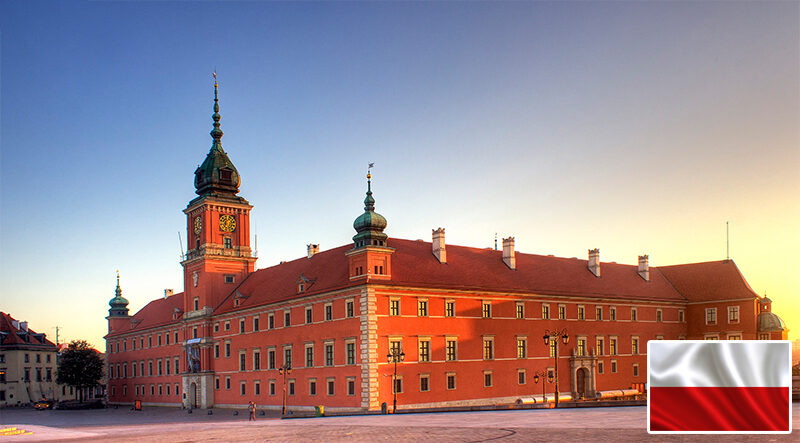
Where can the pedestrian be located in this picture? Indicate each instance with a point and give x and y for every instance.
(252, 408)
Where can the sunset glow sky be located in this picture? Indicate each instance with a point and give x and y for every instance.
(633, 127)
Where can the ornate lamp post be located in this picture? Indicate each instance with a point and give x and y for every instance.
(554, 336)
(283, 370)
(395, 356)
(546, 377)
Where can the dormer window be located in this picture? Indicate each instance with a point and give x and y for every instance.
(225, 175)
(301, 287)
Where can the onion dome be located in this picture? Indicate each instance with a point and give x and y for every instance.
(768, 321)
(369, 225)
(217, 175)
(119, 304)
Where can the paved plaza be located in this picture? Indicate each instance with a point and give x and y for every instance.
(616, 424)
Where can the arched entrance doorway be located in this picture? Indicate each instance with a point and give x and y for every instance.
(580, 382)
(193, 395)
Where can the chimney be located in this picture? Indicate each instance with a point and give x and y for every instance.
(508, 253)
(594, 262)
(312, 249)
(168, 292)
(644, 268)
(439, 249)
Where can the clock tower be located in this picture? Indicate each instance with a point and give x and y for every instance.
(218, 230)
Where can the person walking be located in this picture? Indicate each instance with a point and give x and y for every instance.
(252, 408)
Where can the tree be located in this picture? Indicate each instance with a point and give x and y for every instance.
(80, 366)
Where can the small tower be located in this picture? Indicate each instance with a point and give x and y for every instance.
(118, 314)
(371, 255)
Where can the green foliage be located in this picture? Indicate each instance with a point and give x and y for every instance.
(79, 365)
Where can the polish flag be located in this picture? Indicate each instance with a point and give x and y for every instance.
(698, 386)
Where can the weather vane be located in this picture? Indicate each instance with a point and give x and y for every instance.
(369, 170)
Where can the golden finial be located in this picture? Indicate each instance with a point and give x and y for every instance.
(369, 175)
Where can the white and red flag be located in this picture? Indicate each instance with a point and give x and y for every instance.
(698, 386)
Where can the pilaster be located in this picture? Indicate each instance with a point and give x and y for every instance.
(369, 350)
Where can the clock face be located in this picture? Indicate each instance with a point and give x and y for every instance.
(227, 223)
(198, 225)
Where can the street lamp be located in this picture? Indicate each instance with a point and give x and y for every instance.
(283, 370)
(554, 336)
(395, 356)
(546, 377)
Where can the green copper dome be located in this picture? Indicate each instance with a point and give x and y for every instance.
(216, 175)
(369, 225)
(119, 304)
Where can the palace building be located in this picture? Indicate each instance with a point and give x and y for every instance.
(468, 322)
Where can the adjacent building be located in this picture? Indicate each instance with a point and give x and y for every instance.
(469, 322)
(27, 364)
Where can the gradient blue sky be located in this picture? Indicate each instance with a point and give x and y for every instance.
(632, 127)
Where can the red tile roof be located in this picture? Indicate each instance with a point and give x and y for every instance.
(16, 336)
(156, 313)
(715, 280)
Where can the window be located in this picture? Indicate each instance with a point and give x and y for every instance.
(257, 387)
(242, 361)
(451, 380)
(216, 383)
(422, 308)
(176, 337)
(545, 311)
(287, 356)
(241, 326)
(272, 387)
(227, 242)
(150, 368)
(228, 279)
(520, 310)
(598, 313)
(196, 303)
(331, 386)
(287, 319)
(424, 383)
(49, 376)
(599, 367)
(328, 312)
(521, 376)
(522, 347)
(309, 356)
(150, 341)
(612, 313)
(487, 379)
(450, 347)
(177, 370)
(394, 306)
(160, 389)
(228, 383)
(158, 364)
(711, 316)
(308, 315)
(581, 347)
(243, 388)
(424, 350)
(562, 312)
(271, 358)
(227, 348)
(633, 314)
(159, 340)
(216, 350)
(635, 370)
(659, 315)
(712, 337)
(681, 315)
(449, 308)
(763, 336)
(227, 326)
(166, 339)
(612, 343)
(488, 348)
(613, 366)
(553, 345)
(351, 386)
(255, 324)
(635, 345)
(291, 387)
(733, 314)
(133, 370)
(194, 332)
(349, 308)
(328, 354)
(271, 321)
(395, 345)
(487, 309)
(581, 313)
(256, 360)
(600, 346)
(351, 353)
(312, 386)
(398, 385)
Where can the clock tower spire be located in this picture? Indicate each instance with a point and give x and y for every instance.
(218, 228)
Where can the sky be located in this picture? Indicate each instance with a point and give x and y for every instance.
(633, 127)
